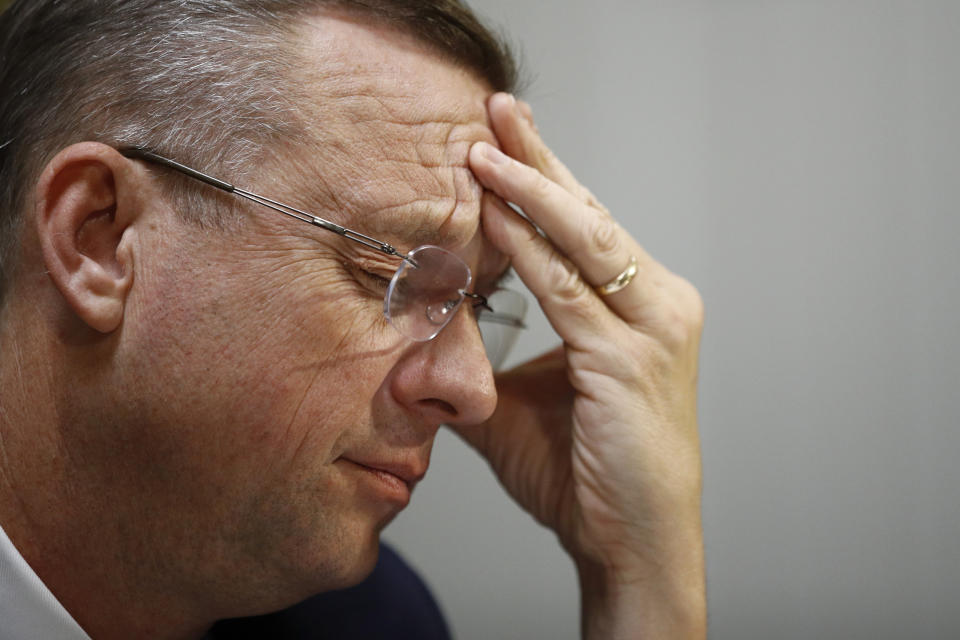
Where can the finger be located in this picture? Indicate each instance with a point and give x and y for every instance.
(571, 306)
(518, 136)
(592, 239)
(527, 112)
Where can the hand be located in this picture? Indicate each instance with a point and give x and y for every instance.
(598, 439)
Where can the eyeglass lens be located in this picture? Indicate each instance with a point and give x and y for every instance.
(428, 289)
(426, 292)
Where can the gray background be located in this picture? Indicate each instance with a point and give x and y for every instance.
(798, 161)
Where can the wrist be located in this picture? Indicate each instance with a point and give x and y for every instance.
(670, 608)
(659, 596)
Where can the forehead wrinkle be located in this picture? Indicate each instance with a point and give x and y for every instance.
(392, 127)
(404, 201)
(413, 182)
(448, 221)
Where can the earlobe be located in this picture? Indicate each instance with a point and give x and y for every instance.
(83, 223)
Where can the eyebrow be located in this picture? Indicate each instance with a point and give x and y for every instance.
(420, 220)
(406, 226)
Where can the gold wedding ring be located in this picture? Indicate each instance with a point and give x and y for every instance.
(621, 280)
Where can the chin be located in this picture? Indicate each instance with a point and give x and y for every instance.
(350, 554)
(311, 548)
(341, 562)
(355, 568)
(306, 575)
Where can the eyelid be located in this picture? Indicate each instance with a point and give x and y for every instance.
(378, 280)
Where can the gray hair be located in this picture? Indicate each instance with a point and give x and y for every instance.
(206, 81)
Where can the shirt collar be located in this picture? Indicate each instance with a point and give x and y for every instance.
(28, 609)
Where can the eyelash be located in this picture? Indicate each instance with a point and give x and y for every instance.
(374, 280)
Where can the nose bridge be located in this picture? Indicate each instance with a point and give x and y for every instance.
(473, 371)
(449, 379)
(467, 316)
(460, 341)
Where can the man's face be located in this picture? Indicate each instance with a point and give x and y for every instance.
(291, 419)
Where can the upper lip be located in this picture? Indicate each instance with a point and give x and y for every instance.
(410, 472)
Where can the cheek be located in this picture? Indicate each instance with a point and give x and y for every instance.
(262, 356)
(284, 360)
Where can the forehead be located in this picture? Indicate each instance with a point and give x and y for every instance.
(391, 125)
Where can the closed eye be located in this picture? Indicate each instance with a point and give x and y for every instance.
(378, 281)
(368, 279)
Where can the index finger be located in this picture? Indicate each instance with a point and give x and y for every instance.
(518, 136)
(591, 238)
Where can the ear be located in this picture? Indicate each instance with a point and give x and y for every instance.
(86, 202)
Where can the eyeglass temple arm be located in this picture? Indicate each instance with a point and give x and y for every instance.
(142, 154)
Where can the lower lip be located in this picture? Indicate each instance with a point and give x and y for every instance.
(386, 485)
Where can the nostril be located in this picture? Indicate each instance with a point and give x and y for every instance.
(441, 406)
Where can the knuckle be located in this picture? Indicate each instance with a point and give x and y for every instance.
(569, 287)
(605, 236)
(540, 185)
(682, 317)
(545, 157)
(695, 305)
(532, 235)
(674, 331)
(592, 201)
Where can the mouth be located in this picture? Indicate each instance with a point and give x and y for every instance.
(407, 474)
(391, 480)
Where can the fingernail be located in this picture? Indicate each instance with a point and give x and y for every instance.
(513, 103)
(494, 155)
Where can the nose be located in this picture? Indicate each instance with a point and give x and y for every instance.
(448, 380)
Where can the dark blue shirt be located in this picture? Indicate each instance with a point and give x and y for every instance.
(393, 603)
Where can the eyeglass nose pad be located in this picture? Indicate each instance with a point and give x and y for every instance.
(439, 313)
